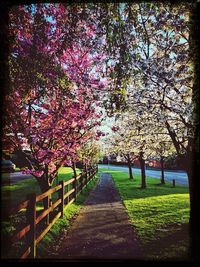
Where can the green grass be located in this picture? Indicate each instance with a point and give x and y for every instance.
(13, 194)
(158, 213)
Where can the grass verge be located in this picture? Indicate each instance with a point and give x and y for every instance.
(159, 214)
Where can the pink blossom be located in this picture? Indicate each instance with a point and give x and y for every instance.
(38, 173)
(115, 128)
(47, 161)
(100, 133)
(60, 119)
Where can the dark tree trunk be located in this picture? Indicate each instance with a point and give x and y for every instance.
(189, 161)
(129, 167)
(194, 195)
(130, 171)
(143, 175)
(74, 168)
(162, 180)
(45, 186)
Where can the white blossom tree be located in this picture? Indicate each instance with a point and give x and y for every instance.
(161, 147)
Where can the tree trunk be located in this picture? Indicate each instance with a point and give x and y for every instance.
(45, 186)
(194, 222)
(162, 180)
(130, 171)
(74, 168)
(143, 175)
(129, 167)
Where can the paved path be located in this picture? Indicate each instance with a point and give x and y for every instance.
(102, 230)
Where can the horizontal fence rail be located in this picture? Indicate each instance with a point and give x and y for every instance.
(67, 193)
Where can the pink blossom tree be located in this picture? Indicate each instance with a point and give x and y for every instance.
(50, 104)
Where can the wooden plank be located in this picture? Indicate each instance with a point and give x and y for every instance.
(39, 238)
(47, 193)
(70, 202)
(20, 206)
(90, 177)
(20, 233)
(69, 181)
(84, 186)
(26, 253)
(78, 177)
(44, 213)
(69, 193)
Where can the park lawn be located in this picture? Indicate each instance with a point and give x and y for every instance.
(159, 214)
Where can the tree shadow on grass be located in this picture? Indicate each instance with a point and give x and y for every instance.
(173, 245)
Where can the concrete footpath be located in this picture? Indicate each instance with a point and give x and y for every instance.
(102, 230)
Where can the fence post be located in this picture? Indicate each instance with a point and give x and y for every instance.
(67, 192)
(174, 182)
(61, 196)
(86, 173)
(31, 218)
(82, 181)
(89, 173)
(75, 187)
(86, 177)
(49, 202)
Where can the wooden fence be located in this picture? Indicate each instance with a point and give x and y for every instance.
(67, 193)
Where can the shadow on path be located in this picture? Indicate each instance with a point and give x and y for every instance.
(102, 230)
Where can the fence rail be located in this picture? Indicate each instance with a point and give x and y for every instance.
(66, 196)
